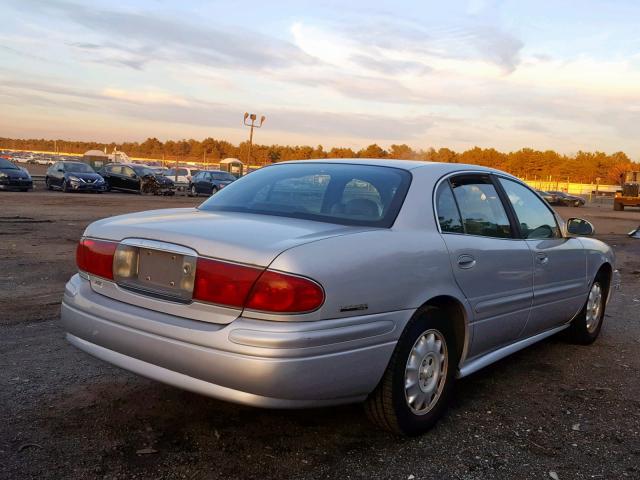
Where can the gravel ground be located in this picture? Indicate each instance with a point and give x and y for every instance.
(551, 411)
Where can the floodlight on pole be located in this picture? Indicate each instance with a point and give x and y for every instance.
(250, 121)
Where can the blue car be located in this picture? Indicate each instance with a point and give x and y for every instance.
(13, 177)
(74, 177)
(208, 182)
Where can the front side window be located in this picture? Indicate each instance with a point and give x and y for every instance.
(480, 206)
(346, 194)
(448, 214)
(535, 219)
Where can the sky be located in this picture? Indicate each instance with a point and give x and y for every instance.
(561, 75)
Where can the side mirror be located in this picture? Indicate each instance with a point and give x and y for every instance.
(581, 227)
(61, 170)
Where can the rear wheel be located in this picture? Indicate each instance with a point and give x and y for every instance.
(417, 384)
(214, 190)
(617, 206)
(586, 327)
(576, 203)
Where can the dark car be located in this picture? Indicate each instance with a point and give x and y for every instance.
(568, 200)
(208, 182)
(74, 177)
(13, 177)
(130, 177)
(549, 197)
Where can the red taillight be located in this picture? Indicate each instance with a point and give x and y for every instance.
(281, 293)
(223, 283)
(96, 257)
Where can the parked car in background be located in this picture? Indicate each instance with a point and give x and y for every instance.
(13, 177)
(132, 177)
(568, 200)
(181, 174)
(208, 182)
(550, 198)
(74, 177)
(326, 282)
(159, 170)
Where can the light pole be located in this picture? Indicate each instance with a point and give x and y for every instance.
(252, 124)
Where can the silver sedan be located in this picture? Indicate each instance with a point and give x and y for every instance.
(327, 282)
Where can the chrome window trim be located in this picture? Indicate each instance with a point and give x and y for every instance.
(464, 172)
(497, 175)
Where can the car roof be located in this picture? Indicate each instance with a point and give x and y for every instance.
(403, 164)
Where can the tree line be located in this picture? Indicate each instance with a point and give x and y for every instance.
(584, 167)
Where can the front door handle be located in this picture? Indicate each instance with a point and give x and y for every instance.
(542, 257)
(466, 261)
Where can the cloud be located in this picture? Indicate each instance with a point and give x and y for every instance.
(134, 38)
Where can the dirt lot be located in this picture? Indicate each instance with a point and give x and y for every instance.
(554, 407)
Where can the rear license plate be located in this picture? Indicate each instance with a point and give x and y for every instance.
(156, 272)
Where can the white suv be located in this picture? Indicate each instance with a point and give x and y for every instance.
(184, 174)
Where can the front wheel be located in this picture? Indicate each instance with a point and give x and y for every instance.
(576, 203)
(586, 327)
(65, 186)
(417, 384)
(47, 183)
(214, 190)
(194, 192)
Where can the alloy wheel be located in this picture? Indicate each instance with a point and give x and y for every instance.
(425, 372)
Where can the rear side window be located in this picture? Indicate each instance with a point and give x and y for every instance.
(448, 214)
(480, 207)
(534, 218)
(340, 193)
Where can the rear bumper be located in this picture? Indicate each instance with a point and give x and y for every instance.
(254, 362)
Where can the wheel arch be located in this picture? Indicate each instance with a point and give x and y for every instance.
(456, 310)
(606, 272)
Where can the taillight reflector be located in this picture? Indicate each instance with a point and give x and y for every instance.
(96, 257)
(282, 293)
(223, 283)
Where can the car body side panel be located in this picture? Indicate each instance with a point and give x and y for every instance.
(560, 282)
(499, 287)
(375, 275)
(597, 253)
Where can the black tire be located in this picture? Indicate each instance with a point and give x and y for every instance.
(48, 183)
(107, 187)
(24, 189)
(387, 406)
(577, 203)
(579, 332)
(192, 191)
(617, 206)
(214, 190)
(65, 187)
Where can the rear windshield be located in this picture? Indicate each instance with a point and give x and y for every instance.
(346, 194)
(222, 176)
(7, 164)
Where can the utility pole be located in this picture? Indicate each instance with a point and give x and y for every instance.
(252, 117)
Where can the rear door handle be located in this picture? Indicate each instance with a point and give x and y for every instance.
(542, 257)
(466, 261)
